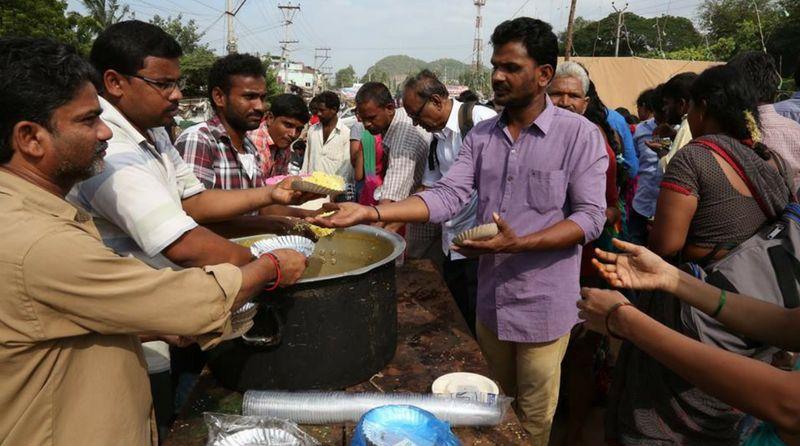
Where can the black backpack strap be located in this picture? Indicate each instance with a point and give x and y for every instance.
(719, 280)
(465, 122)
(711, 256)
(787, 272)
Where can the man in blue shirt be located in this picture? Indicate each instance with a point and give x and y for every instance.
(618, 123)
(791, 107)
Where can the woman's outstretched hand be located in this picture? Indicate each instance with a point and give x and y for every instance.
(636, 268)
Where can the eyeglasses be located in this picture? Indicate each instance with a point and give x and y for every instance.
(415, 116)
(165, 87)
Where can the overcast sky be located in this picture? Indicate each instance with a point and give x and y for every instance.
(360, 32)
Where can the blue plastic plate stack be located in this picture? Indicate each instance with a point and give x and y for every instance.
(402, 426)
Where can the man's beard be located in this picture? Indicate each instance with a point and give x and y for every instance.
(240, 123)
(68, 171)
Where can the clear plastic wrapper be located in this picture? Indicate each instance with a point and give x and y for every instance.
(402, 425)
(340, 407)
(236, 430)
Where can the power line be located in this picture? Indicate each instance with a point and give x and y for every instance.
(519, 9)
(207, 5)
(288, 12)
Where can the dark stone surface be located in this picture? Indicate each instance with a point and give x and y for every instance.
(433, 340)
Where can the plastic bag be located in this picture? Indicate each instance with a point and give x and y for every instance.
(237, 430)
(402, 426)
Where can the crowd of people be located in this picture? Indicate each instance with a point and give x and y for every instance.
(115, 225)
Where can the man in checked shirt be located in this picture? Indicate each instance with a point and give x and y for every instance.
(219, 151)
(407, 146)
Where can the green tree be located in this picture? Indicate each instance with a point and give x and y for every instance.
(37, 18)
(375, 75)
(104, 13)
(738, 19)
(722, 49)
(273, 87)
(186, 34)
(345, 77)
(197, 58)
(639, 35)
(194, 69)
(784, 40)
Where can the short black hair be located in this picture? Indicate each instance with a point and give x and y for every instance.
(234, 64)
(376, 92)
(537, 36)
(468, 96)
(645, 98)
(290, 106)
(329, 99)
(679, 86)
(123, 46)
(37, 76)
(629, 118)
(760, 73)
(425, 84)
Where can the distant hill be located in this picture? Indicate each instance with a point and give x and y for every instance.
(393, 70)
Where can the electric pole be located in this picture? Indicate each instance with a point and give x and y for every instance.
(319, 54)
(477, 46)
(230, 46)
(288, 11)
(570, 29)
(620, 13)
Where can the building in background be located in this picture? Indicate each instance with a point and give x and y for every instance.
(301, 77)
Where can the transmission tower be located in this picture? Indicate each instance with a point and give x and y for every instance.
(230, 46)
(288, 10)
(477, 47)
(320, 54)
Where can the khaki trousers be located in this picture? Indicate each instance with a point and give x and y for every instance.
(529, 372)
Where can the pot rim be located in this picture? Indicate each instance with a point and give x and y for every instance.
(398, 246)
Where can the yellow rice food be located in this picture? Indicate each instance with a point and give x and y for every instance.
(323, 179)
(319, 230)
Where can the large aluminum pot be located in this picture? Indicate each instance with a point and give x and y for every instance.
(336, 327)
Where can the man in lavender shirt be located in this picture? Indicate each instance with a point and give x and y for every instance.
(540, 175)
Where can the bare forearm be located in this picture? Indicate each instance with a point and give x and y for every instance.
(216, 205)
(749, 385)
(561, 235)
(357, 160)
(201, 247)
(255, 276)
(411, 210)
(766, 322)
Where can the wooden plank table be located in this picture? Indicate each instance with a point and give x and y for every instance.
(433, 340)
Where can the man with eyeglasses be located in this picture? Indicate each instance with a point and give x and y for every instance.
(148, 203)
(407, 147)
(449, 121)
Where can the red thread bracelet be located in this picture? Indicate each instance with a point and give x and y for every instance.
(277, 264)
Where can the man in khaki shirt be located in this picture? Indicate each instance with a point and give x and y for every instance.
(70, 358)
